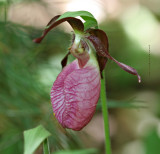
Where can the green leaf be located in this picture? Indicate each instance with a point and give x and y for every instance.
(85, 151)
(152, 142)
(46, 146)
(90, 21)
(33, 138)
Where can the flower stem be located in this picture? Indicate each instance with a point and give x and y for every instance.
(105, 115)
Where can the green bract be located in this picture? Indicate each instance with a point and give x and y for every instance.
(90, 21)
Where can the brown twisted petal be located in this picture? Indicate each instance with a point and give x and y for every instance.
(75, 23)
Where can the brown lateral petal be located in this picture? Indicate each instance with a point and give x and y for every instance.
(101, 48)
(102, 63)
(64, 60)
(75, 23)
(104, 40)
(102, 51)
(128, 69)
(101, 35)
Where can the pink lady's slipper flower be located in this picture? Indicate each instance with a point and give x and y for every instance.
(76, 91)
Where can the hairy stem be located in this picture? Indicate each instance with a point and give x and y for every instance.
(105, 115)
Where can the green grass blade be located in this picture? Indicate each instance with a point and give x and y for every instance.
(84, 151)
(126, 104)
(46, 146)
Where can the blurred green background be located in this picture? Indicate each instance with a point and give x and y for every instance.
(28, 70)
